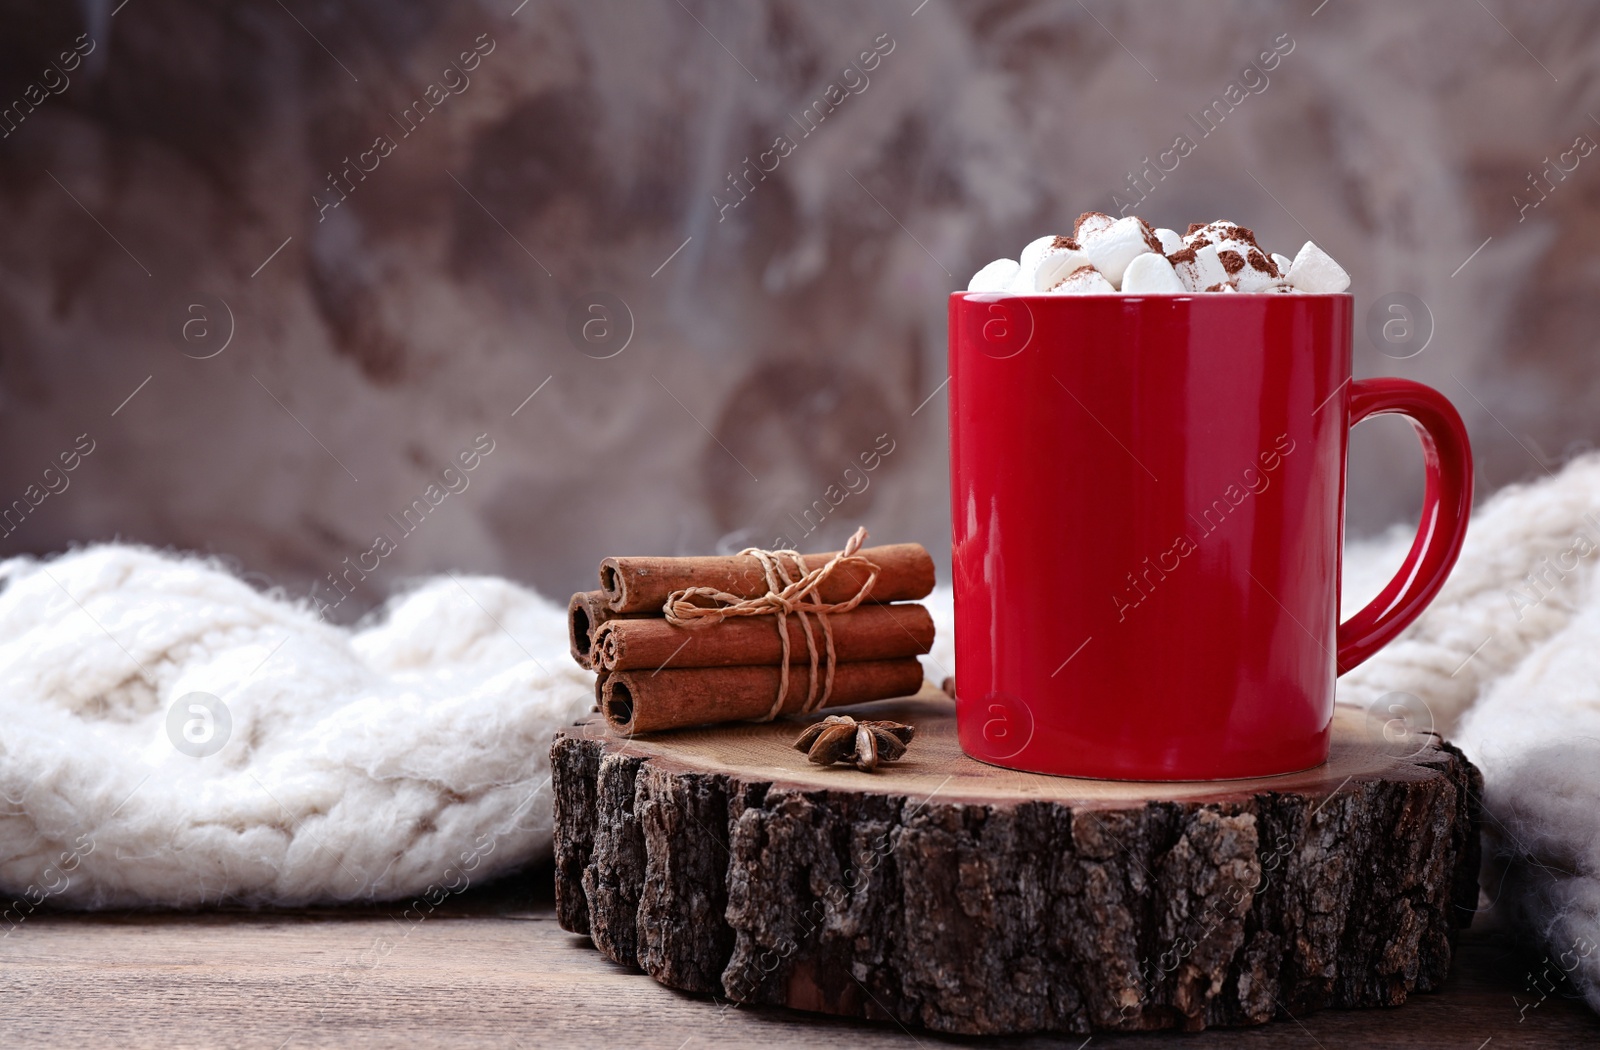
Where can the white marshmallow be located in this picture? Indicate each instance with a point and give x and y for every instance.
(1252, 278)
(1084, 281)
(1057, 264)
(1252, 271)
(1029, 259)
(1314, 271)
(1170, 240)
(1112, 248)
(994, 277)
(1091, 223)
(1211, 231)
(1283, 262)
(1151, 274)
(1204, 271)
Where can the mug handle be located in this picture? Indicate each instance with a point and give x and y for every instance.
(1446, 503)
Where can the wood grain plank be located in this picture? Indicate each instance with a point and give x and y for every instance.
(491, 968)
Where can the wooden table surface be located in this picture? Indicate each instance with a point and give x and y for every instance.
(491, 968)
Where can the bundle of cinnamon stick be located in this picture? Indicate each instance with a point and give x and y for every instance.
(655, 672)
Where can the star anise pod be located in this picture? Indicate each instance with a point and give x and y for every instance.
(840, 738)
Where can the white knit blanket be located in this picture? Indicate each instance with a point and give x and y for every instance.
(409, 757)
(405, 759)
(1508, 660)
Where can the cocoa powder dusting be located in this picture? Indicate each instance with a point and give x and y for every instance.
(1065, 242)
(1193, 226)
(1182, 255)
(1232, 261)
(1151, 241)
(1262, 263)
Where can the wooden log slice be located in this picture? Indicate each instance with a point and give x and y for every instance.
(966, 898)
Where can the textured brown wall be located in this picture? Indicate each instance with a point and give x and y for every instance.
(784, 339)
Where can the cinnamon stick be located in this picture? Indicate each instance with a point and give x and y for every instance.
(905, 573)
(586, 612)
(868, 632)
(647, 701)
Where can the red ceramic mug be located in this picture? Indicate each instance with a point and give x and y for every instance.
(1148, 498)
